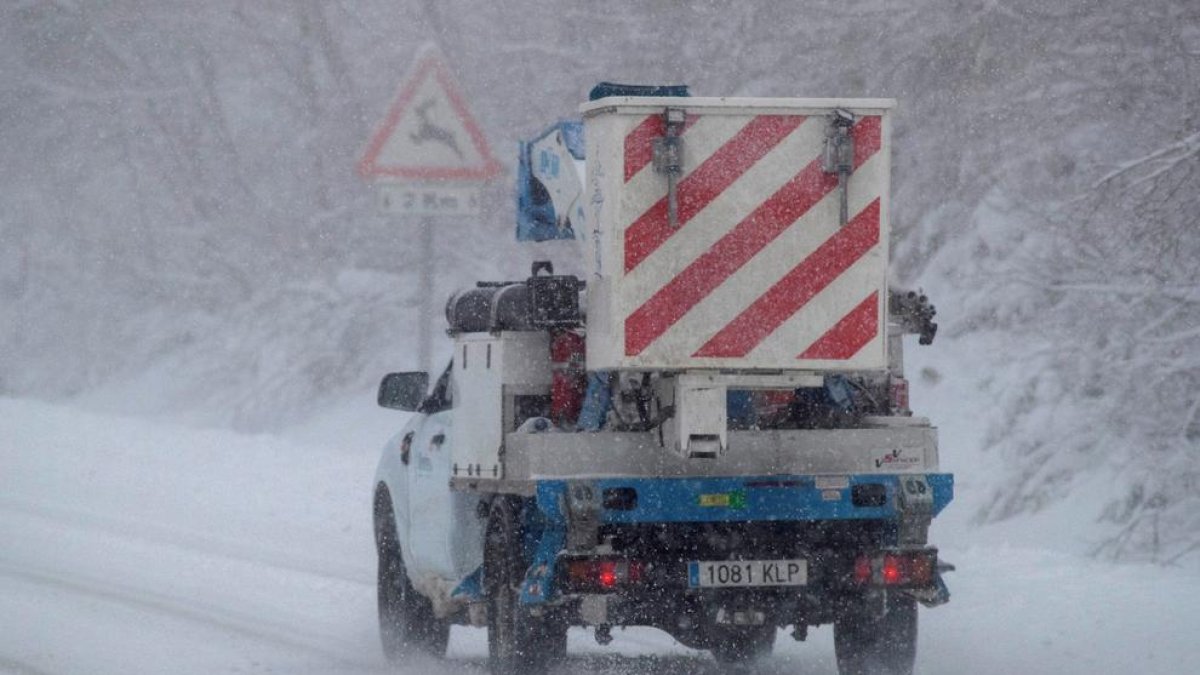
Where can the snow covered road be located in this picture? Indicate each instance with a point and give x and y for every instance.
(132, 546)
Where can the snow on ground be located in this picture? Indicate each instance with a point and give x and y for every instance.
(133, 546)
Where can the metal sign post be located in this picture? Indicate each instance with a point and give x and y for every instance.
(428, 159)
(425, 291)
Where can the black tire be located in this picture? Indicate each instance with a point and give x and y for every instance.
(406, 619)
(867, 644)
(518, 642)
(744, 645)
(551, 638)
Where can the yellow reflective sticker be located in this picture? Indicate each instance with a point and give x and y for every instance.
(721, 499)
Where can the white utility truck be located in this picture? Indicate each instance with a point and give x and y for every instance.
(708, 433)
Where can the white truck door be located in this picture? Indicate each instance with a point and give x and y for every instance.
(393, 471)
(429, 504)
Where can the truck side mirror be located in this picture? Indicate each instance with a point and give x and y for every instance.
(403, 391)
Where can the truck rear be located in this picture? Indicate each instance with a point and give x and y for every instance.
(707, 433)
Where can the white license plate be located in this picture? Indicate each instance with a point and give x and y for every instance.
(734, 573)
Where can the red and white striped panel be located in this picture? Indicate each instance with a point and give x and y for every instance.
(759, 272)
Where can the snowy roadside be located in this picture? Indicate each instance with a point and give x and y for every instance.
(143, 547)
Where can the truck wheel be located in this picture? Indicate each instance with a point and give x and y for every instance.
(406, 619)
(744, 645)
(518, 642)
(878, 645)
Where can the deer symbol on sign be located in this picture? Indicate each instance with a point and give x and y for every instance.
(428, 131)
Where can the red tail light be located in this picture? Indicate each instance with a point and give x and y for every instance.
(607, 575)
(898, 568)
(862, 570)
(602, 575)
(892, 570)
(921, 568)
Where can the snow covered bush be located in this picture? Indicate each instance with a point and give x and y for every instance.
(1115, 384)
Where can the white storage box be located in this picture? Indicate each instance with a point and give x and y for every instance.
(756, 269)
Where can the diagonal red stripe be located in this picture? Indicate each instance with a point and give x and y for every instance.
(639, 143)
(797, 287)
(849, 334)
(868, 137)
(708, 180)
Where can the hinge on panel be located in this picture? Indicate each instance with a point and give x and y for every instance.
(839, 154)
(668, 158)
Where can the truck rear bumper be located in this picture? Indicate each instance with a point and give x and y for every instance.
(741, 499)
(662, 597)
(579, 516)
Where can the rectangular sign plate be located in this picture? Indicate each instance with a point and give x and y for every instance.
(739, 573)
(428, 200)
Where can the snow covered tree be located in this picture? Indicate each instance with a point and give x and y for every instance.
(1117, 337)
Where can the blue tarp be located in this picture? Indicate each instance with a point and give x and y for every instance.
(536, 219)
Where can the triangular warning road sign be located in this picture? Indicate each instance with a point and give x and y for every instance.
(428, 133)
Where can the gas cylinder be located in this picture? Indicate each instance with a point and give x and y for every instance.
(569, 376)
